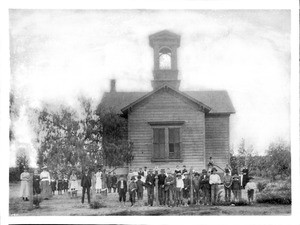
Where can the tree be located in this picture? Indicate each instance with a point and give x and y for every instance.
(279, 159)
(69, 138)
(117, 150)
(22, 160)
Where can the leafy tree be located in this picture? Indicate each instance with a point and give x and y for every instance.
(278, 159)
(83, 138)
(22, 159)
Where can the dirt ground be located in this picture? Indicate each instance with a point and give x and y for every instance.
(63, 205)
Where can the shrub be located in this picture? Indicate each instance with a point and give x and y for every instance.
(96, 205)
(261, 185)
(14, 174)
(276, 193)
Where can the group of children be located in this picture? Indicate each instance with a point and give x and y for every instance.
(174, 187)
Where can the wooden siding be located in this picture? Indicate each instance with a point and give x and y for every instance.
(167, 106)
(217, 139)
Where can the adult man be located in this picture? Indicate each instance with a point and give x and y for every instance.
(169, 188)
(150, 183)
(196, 188)
(214, 181)
(205, 186)
(109, 182)
(161, 184)
(86, 184)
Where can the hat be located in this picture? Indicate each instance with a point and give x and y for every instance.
(250, 178)
(214, 169)
(197, 174)
(132, 178)
(44, 167)
(235, 176)
(204, 171)
(162, 170)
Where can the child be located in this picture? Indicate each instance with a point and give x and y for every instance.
(36, 187)
(250, 187)
(210, 164)
(186, 189)
(140, 189)
(205, 187)
(236, 187)
(184, 170)
(227, 185)
(114, 181)
(177, 170)
(53, 185)
(122, 189)
(66, 183)
(214, 181)
(169, 188)
(196, 188)
(179, 187)
(59, 184)
(132, 190)
(73, 184)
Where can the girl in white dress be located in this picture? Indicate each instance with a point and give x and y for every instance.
(98, 181)
(25, 177)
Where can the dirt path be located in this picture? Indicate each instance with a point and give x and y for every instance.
(62, 205)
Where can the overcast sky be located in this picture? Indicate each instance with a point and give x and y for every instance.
(57, 55)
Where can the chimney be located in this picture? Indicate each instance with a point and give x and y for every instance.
(112, 85)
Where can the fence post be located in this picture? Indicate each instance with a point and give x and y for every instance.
(191, 189)
(156, 188)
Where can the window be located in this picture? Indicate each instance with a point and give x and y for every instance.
(166, 143)
(159, 143)
(174, 143)
(165, 59)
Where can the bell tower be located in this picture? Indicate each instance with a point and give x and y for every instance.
(165, 44)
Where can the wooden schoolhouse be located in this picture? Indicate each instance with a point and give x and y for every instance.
(170, 127)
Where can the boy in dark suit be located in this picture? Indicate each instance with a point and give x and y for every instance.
(161, 184)
(122, 189)
(86, 184)
(205, 187)
(140, 189)
(150, 182)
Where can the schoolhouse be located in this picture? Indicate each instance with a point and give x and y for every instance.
(170, 127)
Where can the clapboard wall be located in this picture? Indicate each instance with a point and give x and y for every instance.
(166, 105)
(217, 138)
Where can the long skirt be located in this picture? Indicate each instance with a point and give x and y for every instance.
(46, 189)
(24, 189)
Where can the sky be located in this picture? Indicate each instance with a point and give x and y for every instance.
(57, 55)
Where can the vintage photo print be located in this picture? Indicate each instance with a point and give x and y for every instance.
(152, 112)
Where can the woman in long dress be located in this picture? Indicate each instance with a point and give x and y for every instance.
(73, 184)
(25, 177)
(45, 184)
(98, 181)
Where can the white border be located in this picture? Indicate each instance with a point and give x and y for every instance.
(140, 4)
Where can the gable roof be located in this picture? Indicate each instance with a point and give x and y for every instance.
(218, 101)
(202, 106)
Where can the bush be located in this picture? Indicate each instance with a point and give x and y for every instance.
(276, 193)
(14, 174)
(261, 185)
(96, 205)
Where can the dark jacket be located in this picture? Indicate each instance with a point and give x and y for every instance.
(86, 181)
(204, 182)
(114, 181)
(150, 180)
(169, 183)
(161, 179)
(124, 185)
(140, 185)
(196, 184)
(109, 181)
(187, 183)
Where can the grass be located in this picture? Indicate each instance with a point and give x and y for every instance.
(63, 205)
